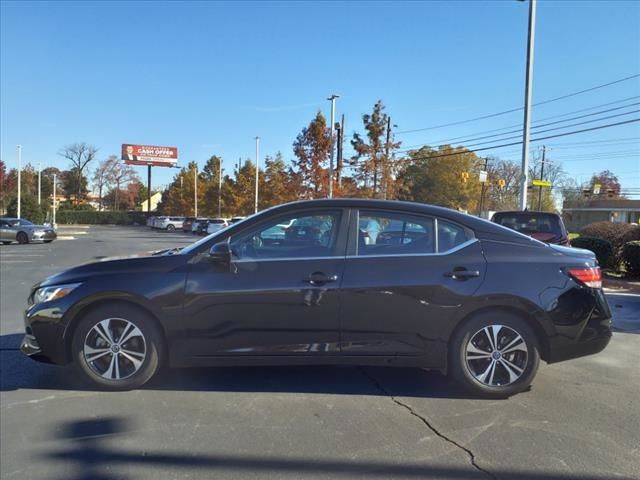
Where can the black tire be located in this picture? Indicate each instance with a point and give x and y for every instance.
(499, 382)
(6, 243)
(152, 344)
(48, 241)
(22, 238)
(170, 228)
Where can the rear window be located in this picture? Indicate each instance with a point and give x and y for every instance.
(528, 223)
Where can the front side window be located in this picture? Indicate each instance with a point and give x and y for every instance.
(295, 236)
(393, 233)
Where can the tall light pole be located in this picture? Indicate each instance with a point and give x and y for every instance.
(220, 188)
(332, 99)
(19, 149)
(39, 181)
(53, 216)
(195, 192)
(528, 89)
(257, 170)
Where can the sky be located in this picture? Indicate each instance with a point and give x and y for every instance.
(208, 77)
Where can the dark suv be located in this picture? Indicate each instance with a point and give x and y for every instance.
(544, 226)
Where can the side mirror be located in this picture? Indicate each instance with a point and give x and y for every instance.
(220, 253)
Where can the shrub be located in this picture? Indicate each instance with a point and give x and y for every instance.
(630, 257)
(608, 231)
(29, 209)
(100, 218)
(602, 248)
(631, 235)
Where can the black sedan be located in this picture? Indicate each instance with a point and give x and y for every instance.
(451, 292)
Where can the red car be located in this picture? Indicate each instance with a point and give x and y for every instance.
(544, 226)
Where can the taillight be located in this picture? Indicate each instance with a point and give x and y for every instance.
(588, 276)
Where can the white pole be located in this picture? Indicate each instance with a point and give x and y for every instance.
(332, 98)
(195, 191)
(257, 170)
(528, 90)
(19, 148)
(53, 217)
(220, 188)
(39, 181)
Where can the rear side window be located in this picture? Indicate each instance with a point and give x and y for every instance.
(530, 223)
(450, 236)
(394, 233)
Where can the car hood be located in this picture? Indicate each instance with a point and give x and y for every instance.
(33, 227)
(134, 264)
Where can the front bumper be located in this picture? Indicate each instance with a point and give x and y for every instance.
(43, 236)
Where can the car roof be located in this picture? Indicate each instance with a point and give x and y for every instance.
(528, 213)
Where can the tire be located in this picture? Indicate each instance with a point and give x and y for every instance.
(144, 344)
(170, 228)
(6, 243)
(22, 238)
(48, 241)
(515, 361)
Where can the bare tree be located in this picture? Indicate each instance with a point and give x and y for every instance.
(119, 174)
(101, 176)
(80, 155)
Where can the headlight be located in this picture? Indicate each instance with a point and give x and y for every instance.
(46, 294)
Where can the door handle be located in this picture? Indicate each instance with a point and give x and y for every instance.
(462, 274)
(320, 278)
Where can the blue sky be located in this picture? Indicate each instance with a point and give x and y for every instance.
(208, 77)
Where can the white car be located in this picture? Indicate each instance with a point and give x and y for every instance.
(196, 224)
(216, 224)
(168, 223)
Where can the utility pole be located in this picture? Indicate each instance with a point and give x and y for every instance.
(220, 188)
(53, 216)
(19, 148)
(385, 168)
(341, 152)
(257, 171)
(195, 192)
(39, 181)
(544, 151)
(526, 131)
(332, 99)
(148, 188)
(482, 187)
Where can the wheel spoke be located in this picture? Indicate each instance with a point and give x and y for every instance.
(488, 371)
(104, 331)
(92, 354)
(474, 353)
(108, 373)
(513, 370)
(516, 344)
(129, 332)
(133, 358)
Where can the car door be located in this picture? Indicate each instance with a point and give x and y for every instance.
(5, 232)
(280, 295)
(399, 291)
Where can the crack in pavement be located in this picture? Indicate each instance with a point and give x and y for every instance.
(407, 407)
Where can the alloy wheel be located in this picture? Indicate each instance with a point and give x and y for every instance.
(496, 355)
(115, 348)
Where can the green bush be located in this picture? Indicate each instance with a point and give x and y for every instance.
(29, 209)
(100, 218)
(609, 231)
(631, 235)
(602, 248)
(630, 257)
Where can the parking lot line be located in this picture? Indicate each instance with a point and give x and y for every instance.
(15, 261)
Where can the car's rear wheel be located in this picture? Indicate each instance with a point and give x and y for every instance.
(117, 347)
(494, 355)
(6, 243)
(22, 238)
(170, 228)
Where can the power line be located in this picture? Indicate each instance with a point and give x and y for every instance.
(492, 115)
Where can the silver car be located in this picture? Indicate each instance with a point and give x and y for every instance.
(168, 223)
(23, 231)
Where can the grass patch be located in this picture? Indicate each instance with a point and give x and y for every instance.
(573, 235)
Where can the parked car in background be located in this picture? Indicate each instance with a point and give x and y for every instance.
(195, 225)
(186, 225)
(150, 221)
(485, 305)
(169, 223)
(544, 226)
(216, 224)
(236, 219)
(23, 231)
(157, 221)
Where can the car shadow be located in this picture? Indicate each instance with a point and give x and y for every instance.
(20, 372)
(92, 450)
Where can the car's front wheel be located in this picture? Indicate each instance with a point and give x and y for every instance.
(494, 355)
(170, 228)
(22, 238)
(117, 347)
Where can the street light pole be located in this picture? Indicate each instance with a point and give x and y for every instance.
(53, 216)
(220, 188)
(195, 192)
(257, 171)
(19, 148)
(332, 99)
(527, 106)
(39, 181)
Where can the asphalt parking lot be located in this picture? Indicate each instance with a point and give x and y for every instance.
(580, 419)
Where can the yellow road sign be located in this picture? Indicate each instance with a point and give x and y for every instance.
(541, 183)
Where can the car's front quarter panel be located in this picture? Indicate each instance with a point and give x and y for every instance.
(159, 291)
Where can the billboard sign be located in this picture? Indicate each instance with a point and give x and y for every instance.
(149, 155)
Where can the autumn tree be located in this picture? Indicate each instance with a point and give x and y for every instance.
(374, 167)
(282, 184)
(312, 148)
(609, 183)
(80, 155)
(434, 176)
(211, 176)
(119, 174)
(101, 177)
